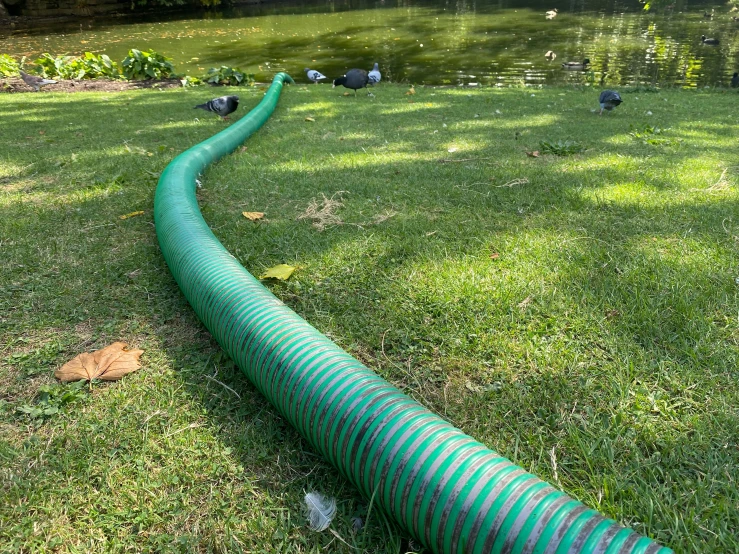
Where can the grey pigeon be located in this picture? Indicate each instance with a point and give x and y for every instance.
(374, 76)
(711, 41)
(609, 99)
(354, 79)
(35, 82)
(222, 106)
(314, 75)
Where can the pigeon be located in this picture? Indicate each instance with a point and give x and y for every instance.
(576, 66)
(735, 80)
(354, 79)
(35, 82)
(550, 55)
(314, 75)
(711, 41)
(222, 106)
(609, 99)
(374, 76)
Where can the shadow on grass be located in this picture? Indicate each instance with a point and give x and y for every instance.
(583, 314)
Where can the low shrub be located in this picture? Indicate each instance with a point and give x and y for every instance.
(88, 66)
(144, 65)
(225, 75)
(8, 66)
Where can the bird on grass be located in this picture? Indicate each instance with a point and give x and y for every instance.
(374, 76)
(609, 99)
(34, 81)
(576, 66)
(735, 80)
(314, 75)
(221, 106)
(354, 79)
(711, 41)
(550, 56)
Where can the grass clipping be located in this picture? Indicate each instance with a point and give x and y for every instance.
(109, 364)
(323, 212)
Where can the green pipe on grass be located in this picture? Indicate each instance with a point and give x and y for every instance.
(450, 492)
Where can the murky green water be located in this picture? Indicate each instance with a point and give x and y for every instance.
(439, 42)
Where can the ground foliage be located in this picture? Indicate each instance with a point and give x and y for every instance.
(576, 313)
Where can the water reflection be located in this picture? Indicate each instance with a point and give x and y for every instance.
(489, 42)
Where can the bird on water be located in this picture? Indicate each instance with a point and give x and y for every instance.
(711, 41)
(609, 99)
(576, 66)
(354, 79)
(314, 75)
(34, 81)
(221, 106)
(550, 55)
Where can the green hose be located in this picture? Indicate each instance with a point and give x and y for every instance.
(450, 492)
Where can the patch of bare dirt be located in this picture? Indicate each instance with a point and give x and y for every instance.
(13, 85)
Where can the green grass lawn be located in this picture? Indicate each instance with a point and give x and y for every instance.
(578, 314)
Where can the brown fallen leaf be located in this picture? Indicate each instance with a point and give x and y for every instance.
(132, 214)
(494, 256)
(253, 216)
(534, 154)
(347, 94)
(411, 90)
(109, 364)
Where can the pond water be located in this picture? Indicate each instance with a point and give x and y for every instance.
(427, 41)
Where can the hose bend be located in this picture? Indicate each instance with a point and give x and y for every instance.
(449, 491)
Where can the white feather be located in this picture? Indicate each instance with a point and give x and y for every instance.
(321, 510)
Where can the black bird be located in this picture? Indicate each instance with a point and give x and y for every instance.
(735, 80)
(576, 66)
(34, 81)
(609, 99)
(222, 106)
(707, 15)
(354, 79)
(711, 41)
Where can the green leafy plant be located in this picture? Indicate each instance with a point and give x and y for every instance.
(143, 65)
(653, 135)
(88, 66)
(8, 66)
(225, 75)
(51, 398)
(190, 81)
(559, 148)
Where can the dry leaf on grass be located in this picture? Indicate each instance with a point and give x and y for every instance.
(132, 214)
(411, 90)
(109, 364)
(534, 154)
(253, 216)
(309, 119)
(281, 272)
